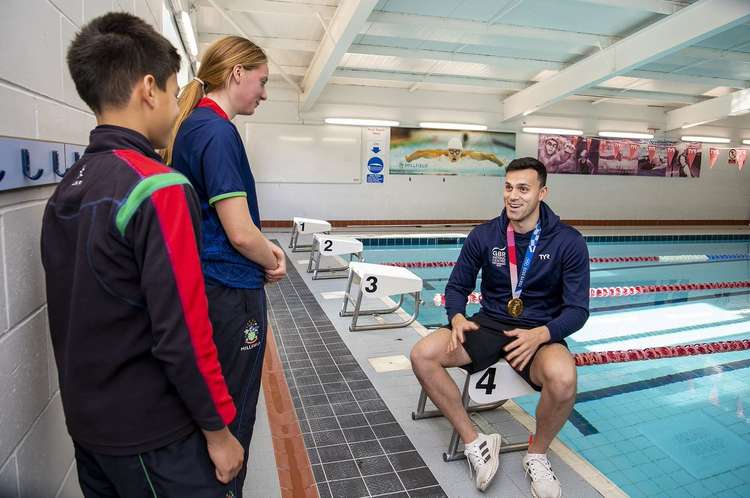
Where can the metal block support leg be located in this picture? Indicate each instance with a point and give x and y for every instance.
(453, 453)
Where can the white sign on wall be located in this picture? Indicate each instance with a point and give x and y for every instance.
(375, 153)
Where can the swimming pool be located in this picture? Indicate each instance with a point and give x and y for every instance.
(670, 427)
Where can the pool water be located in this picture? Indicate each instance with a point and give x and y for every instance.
(673, 427)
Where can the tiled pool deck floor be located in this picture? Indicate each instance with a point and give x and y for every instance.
(356, 421)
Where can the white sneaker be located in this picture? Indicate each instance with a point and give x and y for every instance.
(544, 482)
(483, 455)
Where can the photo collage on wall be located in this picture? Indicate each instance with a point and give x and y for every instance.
(604, 156)
(418, 151)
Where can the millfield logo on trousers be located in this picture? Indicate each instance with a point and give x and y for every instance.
(251, 335)
(498, 257)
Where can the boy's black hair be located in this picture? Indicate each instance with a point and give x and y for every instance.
(529, 163)
(112, 52)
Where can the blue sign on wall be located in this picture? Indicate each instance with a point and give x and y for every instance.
(375, 165)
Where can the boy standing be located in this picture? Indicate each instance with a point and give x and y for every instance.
(137, 364)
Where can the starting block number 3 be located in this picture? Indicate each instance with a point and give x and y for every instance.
(373, 281)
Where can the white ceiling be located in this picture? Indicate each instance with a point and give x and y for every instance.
(496, 47)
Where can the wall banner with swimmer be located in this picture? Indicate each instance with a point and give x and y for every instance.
(419, 151)
(618, 156)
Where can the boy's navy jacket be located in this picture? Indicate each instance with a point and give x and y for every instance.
(556, 290)
(128, 315)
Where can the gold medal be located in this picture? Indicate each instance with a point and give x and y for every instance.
(515, 307)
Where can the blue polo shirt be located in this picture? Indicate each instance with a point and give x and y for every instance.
(208, 150)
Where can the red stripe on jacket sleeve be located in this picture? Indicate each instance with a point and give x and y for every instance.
(142, 164)
(177, 230)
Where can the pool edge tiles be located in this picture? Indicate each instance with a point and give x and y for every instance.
(352, 438)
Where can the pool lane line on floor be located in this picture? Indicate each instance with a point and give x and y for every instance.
(296, 478)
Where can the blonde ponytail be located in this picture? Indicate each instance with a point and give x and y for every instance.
(216, 67)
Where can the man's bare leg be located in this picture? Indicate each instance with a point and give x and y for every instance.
(554, 369)
(429, 360)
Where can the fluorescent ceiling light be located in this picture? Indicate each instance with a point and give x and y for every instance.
(553, 131)
(624, 134)
(361, 122)
(453, 126)
(746, 142)
(187, 27)
(709, 140)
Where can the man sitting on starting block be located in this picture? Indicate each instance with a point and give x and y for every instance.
(535, 292)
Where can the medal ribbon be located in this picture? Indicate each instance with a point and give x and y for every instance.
(515, 282)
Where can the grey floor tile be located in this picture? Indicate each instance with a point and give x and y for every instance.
(348, 488)
(384, 483)
(341, 470)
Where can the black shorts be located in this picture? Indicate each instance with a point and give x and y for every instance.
(485, 346)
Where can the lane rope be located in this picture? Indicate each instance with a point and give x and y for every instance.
(632, 290)
(657, 353)
(678, 258)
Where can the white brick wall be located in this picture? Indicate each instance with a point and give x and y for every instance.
(37, 101)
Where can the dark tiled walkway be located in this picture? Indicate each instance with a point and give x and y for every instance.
(355, 445)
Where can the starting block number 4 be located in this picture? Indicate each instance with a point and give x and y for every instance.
(497, 382)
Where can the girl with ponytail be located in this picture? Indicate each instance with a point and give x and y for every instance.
(237, 259)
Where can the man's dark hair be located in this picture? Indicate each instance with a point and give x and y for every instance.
(529, 163)
(112, 52)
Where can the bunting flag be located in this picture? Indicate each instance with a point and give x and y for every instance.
(741, 156)
(602, 147)
(691, 152)
(670, 154)
(588, 144)
(633, 150)
(732, 159)
(652, 154)
(616, 147)
(713, 155)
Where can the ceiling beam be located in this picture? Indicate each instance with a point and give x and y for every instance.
(441, 79)
(687, 26)
(302, 9)
(733, 104)
(347, 22)
(482, 30)
(665, 7)
(438, 55)
(268, 42)
(709, 81)
(625, 94)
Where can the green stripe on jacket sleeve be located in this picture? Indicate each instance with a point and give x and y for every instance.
(143, 191)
